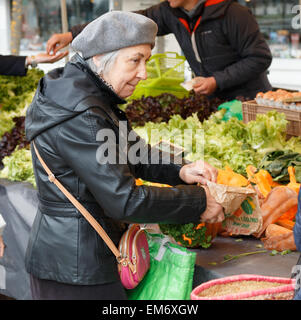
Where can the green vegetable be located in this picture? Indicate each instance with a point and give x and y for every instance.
(6, 122)
(18, 167)
(277, 163)
(273, 253)
(230, 257)
(197, 236)
(15, 89)
(15, 96)
(284, 252)
(222, 143)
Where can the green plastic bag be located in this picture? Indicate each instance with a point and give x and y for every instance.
(234, 109)
(170, 276)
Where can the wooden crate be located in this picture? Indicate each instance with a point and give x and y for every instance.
(250, 109)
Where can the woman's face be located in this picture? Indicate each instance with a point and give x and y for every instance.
(128, 69)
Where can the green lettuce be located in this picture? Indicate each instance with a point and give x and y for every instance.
(18, 167)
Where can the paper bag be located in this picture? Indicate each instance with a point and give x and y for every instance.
(242, 210)
(188, 85)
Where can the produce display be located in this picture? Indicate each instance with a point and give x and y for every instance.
(15, 96)
(236, 145)
(161, 108)
(256, 154)
(224, 143)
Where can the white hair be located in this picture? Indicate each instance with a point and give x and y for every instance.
(104, 62)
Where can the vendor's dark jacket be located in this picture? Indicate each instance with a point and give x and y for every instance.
(12, 65)
(70, 106)
(228, 44)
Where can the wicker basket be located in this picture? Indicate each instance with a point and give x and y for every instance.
(250, 109)
(245, 287)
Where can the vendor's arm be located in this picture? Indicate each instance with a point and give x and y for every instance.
(13, 65)
(157, 14)
(114, 186)
(246, 39)
(60, 40)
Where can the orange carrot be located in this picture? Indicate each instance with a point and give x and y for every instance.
(187, 239)
(199, 226)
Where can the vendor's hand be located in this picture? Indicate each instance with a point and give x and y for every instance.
(2, 246)
(198, 172)
(47, 58)
(58, 41)
(214, 211)
(203, 85)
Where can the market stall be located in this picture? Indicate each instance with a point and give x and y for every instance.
(255, 157)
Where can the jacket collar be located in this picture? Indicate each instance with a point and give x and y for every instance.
(211, 9)
(81, 64)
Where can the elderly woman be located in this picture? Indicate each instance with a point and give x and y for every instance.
(66, 258)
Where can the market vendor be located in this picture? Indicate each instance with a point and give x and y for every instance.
(220, 39)
(73, 107)
(18, 65)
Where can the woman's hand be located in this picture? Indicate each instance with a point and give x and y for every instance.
(58, 41)
(2, 246)
(198, 172)
(214, 211)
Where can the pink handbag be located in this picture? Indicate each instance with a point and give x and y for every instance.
(133, 247)
(132, 254)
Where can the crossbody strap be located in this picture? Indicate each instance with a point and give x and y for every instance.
(80, 208)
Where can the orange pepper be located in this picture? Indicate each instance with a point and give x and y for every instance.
(230, 178)
(293, 183)
(251, 170)
(264, 182)
(139, 182)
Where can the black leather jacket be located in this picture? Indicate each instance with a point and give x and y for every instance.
(70, 106)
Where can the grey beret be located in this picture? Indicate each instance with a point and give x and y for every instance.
(115, 30)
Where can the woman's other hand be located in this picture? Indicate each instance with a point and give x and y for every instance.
(198, 172)
(214, 211)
